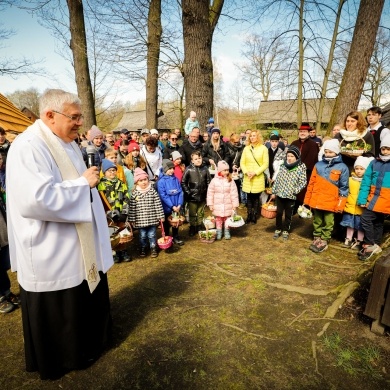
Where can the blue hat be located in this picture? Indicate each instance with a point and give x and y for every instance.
(107, 164)
(211, 120)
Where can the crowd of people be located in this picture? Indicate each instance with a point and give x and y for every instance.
(58, 238)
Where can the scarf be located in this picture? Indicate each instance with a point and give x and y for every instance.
(350, 136)
(69, 172)
(292, 165)
(384, 158)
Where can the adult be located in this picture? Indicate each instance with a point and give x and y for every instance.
(273, 134)
(123, 151)
(313, 135)
(375, 127)
(145, 133)
(153, 157)
(215, 149)
(154, 133)
(59, 241)
(275, 154)
(109, 139)
(95, 139)
(354, 131)
(123, 135)
(179, 136)
(189, 146)
(4, 143)
(235, 151)
(309, 156)
(205, 137)
(254, 162)
(171, 146)
(336, 129)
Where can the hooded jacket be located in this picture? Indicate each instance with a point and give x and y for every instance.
(170, 192)
(223, 196)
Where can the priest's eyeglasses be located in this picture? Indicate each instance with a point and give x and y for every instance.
(75, 118)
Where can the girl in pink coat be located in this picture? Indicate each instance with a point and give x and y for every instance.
(222, 198)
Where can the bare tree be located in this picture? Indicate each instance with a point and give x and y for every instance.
(28, 98)
(358, 62)
(199, 21)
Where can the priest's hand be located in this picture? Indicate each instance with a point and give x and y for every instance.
(92, 176)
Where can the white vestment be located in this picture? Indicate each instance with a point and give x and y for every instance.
(42, 210)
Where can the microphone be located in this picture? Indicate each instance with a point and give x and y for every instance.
(91, 155)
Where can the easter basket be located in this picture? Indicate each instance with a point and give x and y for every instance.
(176, 220)
(304, 212)
(164, 242)
(268, 210)
(209, 222)
(125, 237)
(207, 236)
(235, 221)
(354, 149)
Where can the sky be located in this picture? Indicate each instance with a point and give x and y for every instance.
(34, 41)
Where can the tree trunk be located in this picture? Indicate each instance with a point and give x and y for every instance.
(153, 57)
(199, 21)
(329, 68)
(78, 45)
(358, 62)
(300, 71)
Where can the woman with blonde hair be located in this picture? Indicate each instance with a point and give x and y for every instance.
(355, 131)
(254, 161)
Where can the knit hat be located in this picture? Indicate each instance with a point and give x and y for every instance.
(176, 155)
(133, 146)
(222, 165)
(333, 145)
(94, 132)
(107, 164)
(139, 174)
(386, 141)
(305, 126)
(211, 120)
(167, 165)
(215, 130)
(153, 131)
(363, 162)
(294, 150)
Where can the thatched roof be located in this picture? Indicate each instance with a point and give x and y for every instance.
(136, 120)
(386, 115)
(285, 111)
(12, 120)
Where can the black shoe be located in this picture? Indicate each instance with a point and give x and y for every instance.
(177, 241)
(14, 299)
(254, 218)
(142, 252)
(153, 252)
(192, 231)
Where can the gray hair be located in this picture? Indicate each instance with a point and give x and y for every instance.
(55, 99)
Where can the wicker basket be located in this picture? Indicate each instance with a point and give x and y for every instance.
(268, 210)
(209, 223)
(125, 237)
(354, 153)
(207, 236)
(177, 221)
(114, 239)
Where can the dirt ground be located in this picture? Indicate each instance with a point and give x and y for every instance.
(242, 314)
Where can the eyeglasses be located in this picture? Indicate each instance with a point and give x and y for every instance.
(75, 118)
(173, 139)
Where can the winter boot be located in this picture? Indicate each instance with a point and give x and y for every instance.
(219, 234)
(142, 252)
(254, 217)
(153, 252)
(249, 215)
(227, 234)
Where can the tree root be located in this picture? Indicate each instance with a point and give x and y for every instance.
(324, 328)
(338, 266)
(301, 290)
(345, 292)
(314, 350)
(297, 317)
(244, 331)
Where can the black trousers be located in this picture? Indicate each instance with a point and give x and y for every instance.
(253, 202)
(372, 225)
(285, 206)
(66, 329)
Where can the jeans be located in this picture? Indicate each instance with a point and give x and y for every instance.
(148, 233)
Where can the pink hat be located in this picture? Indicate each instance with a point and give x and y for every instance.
(94, 132)
(133, 146)
(222, 165)
(139, 174)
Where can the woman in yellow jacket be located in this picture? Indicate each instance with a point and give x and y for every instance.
(254, 161)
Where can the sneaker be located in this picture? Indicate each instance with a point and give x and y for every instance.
(368, 251)
(285, 235)
(127, 258)
(227, 235)
(277, 234)
(14, 299)
(313, 246)
(322, 245)
(348, 243)
(5, 306)
(178, 241)
(153, 252)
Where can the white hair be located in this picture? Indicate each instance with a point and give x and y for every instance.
(55, 99)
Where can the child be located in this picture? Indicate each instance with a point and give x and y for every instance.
(327, 193)
(133, 160)
(171, 195)
(191, 122)
(222, 198)
(146, 211)
(112, 155)
(195, 181)
(374, 197)
(352, 212)
(115, 196)
(179, 167)
(289, 182)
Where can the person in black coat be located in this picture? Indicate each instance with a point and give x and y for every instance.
(171, 146)
(192, 144)
(215, 149)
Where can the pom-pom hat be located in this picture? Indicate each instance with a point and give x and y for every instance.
(139, 174)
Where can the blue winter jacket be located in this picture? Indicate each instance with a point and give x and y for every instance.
(375, 187)
(170, 192)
